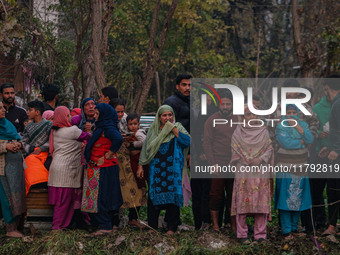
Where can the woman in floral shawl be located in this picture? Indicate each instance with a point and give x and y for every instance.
(251, 147)
(165, 148)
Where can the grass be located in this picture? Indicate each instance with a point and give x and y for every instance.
(128, 241)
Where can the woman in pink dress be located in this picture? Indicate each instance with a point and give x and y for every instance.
(251, 148)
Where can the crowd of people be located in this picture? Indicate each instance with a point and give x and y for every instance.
(96, 161)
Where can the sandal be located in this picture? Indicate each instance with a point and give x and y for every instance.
(298, 234)
(289, 237)
(262, 240)
(170, 233)
(205, 226)
(216, 230)
(135, 224)
(14, 234)
(244, 241)
(101, 232)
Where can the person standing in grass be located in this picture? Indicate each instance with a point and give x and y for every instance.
(133, 196)
(331, 153)
(251, 146)
(65, 174)
(165, 149)
(102, 196)
(12, 178)
(292, 192)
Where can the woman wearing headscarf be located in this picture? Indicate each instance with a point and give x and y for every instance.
(48, 115)
(86, 119)
(292, 192)
(165, 148)
(65, 175)
(75, 112)
(133, 196)
(251, 147)
(101, 191)
(12, 178)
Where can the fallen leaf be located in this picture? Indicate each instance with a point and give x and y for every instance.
(285, 247)
(332, 239)
(119, 240)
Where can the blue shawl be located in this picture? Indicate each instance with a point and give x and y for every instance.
(108, 123)
(8, 131)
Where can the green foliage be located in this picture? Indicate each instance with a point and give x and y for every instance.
(207, 38)
(10, 29)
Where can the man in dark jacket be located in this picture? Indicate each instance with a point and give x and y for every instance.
(333, 152)
(180, 101)
(14, 113)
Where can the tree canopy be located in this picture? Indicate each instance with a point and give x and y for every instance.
(128, 43)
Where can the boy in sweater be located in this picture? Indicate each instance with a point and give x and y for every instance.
(35, 142)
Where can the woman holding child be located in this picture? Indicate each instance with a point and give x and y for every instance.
(133, 195)
(165, 148)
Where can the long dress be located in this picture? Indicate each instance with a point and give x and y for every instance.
(101, 190)
(132, 195)
(12, 187)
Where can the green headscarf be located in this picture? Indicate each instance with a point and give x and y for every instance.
(156, 136)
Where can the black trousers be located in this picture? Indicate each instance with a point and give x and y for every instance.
(333, 193)
(133, 213)
(317, 186)
(200, 189)
(105, 219)
(172, 212)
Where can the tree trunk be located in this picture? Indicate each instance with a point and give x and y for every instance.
(306, 71)
(153, 55)
(258, 57)
(97, 36)
(158, 90)
(88, 74)
(76, 88)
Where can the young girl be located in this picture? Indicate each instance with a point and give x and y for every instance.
(251, 146)
(133, 196)
(292, 193)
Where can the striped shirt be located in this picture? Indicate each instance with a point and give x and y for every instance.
(37, 135)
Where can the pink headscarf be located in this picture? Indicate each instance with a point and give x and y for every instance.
(75, 112)
(249, 142)
(48, 114)
(60, 119)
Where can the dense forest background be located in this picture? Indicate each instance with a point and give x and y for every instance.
(140, 46)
